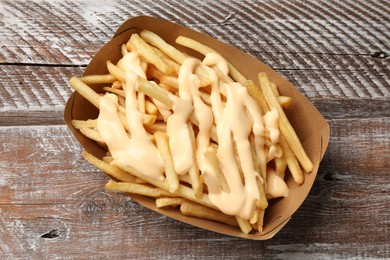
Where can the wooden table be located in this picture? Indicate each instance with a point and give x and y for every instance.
(53, 203)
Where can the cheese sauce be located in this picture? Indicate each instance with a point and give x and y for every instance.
(137, 151)
(189, 85)
(179, 135)
(237, 121)
(241, 199)
(276, 186)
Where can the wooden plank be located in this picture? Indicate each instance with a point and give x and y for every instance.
(38, 149)
(28, 37)
(78, 29)
(35, 87)
(41, 175)
(53, 203)
(48, 204)
(340, 108)
(37, 94)
(324, 57)
(34, 94)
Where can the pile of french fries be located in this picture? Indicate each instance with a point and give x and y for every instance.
(162, 63)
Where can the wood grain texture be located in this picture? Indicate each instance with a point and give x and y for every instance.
(67, 198)
(349, 27)
(330, 38)
(34, 94)
(53, 203)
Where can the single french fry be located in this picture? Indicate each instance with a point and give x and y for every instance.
(175, 66)
(262, 202)
(110, 170)
(121, 102)
(90, 123)
(144, 65)
(141, 102)
(256, 94)
(154, 91)
(92, 134)
(140, 181)
(199, 211)
(292, 162)
(238, 160)
(261, 170)
(213, 134)
(244, 225)
(172, 202)
(107, 159)
(274, 88)
(203, 76)
(166, 48)
(194, 174)
(135, 188)
(275, 150)
(280, 166)
(150, 108)
(165, 113)
(118, 73)
(118, 92)
(161, 127)
(124, 50)
(285, 102)
(170, 173)
(285, 126)
(122, 117)
(211, 156)
(170, 81)
(185, 178)
(129, 46)
(254, 218)
(85, 91)
(260, 220)
(203, 49)
(205, 97)
(149, 119)
(149, 55)
(224, 78)
(117, 84)
(153, 72)
(97, 79)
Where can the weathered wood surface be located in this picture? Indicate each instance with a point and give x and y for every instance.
(53, 204)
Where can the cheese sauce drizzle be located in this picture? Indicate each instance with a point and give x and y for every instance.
(232, 120)
(177, 128)
(137, 151)
(276, 185)
(189, 85)
(242, 198)
(233, 126)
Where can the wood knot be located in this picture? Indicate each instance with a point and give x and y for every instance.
(227, 19)
(330, 177)
(51, 234)
(380, 55)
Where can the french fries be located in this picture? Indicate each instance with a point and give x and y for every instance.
(171, 176)
(285, 126)
(215, 155)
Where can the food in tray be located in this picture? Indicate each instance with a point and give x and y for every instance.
(192, 133)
